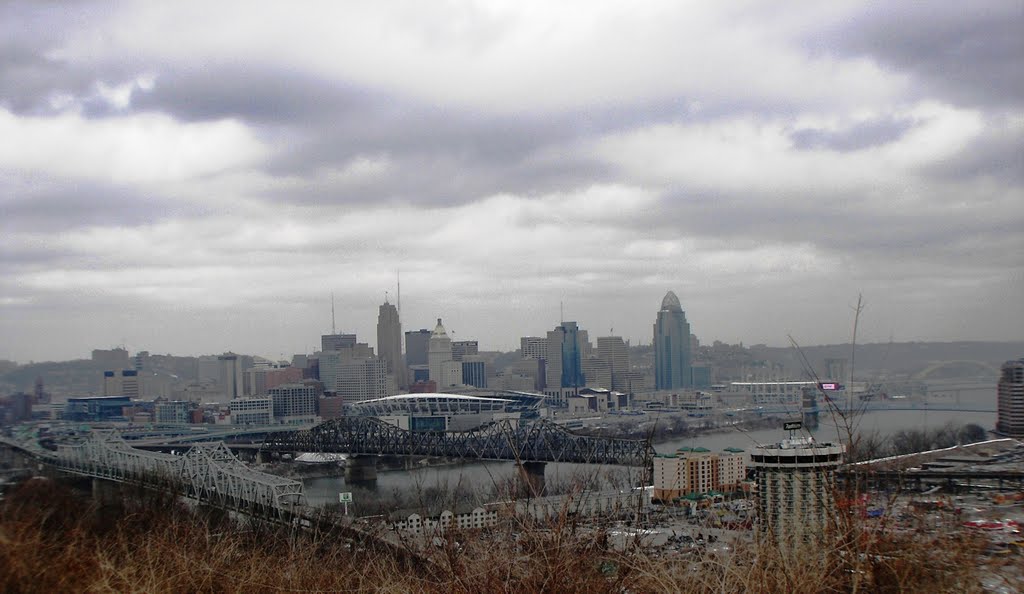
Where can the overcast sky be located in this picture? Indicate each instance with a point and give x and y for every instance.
(196, 177)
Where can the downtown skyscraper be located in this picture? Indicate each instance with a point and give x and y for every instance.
(567, 346)
(672, 357)
(389, 343)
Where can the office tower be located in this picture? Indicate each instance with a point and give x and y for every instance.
(174, 411)
(526, 375)
(464, 348)
(565, 356)
(124, 382)
(116, 358)
(439, 352)
(795, 484)
(583, 340)
(597, 372)
(208, 369)
(295, 403)
(1010, 402)
(417, 346)
(254, 410)
(671, 346)
(363, 379)
(533, 347)
(613, 351)
(260, 379)
(230, 379)
(389, 343)
(474, 373)
(451, 375)
(329, 363)
(336, 342)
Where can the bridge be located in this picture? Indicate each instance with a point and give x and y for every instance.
(207, 473)
(537, 442)
(983, 368)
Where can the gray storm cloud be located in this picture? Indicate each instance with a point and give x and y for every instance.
(187, 189)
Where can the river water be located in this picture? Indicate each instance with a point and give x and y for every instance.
(484, 477)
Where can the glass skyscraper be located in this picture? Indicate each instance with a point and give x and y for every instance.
(572, 363)
(672, 367)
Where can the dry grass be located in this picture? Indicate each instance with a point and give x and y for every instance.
(54, 541)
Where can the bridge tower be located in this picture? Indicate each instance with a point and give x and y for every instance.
(361, 469)
(532, 476)
(809, 407)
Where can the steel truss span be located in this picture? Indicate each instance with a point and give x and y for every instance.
(537, 442)
(207, 472)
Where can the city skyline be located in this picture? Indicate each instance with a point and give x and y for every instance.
(171, 187)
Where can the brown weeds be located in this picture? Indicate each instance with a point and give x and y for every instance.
(54, 541)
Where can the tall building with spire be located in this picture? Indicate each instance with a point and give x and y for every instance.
(439, 352)
(389, 343)
(672, 357)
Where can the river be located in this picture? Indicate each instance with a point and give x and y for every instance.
(483, 477)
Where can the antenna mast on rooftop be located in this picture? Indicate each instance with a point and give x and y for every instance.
(398, 276)
(333, 330)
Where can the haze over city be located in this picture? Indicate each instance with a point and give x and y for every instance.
(196, 177)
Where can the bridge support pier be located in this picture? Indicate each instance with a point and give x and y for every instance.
(532, 476)
(361, 469)
(105, 492)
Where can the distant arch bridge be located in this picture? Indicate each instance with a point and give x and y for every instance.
(936, 366)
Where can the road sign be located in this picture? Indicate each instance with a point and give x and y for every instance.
(345, 499)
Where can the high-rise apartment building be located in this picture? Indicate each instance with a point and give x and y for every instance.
(672, 346)
(438, 353)
(1010, 399)
(417, 347)
(613, 351)
(795, 487)
(389, 343)
(697, 470)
